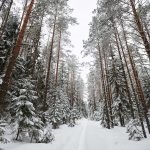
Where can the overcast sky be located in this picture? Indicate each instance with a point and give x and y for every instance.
(83, 12)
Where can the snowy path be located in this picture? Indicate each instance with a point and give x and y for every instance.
(87, 135)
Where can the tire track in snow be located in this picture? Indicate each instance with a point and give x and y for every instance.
(75, 141)
(82, 137)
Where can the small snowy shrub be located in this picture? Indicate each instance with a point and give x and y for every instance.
(104, 119)
(47, 138)
(2, 128)
(71, 123)
(96, 116)
(3, 125)
(55, 111)
(134, 132)
(74, 115)
(104, 123)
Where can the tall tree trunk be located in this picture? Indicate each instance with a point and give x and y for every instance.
(49, 62)
(23, 13)
(36, 44)
(15, 52)
(72, 89)
(121, 118)
(93, 98)
(140, 28)
(26, 49)
(58, 59)
(138, 83)
(108, 89)
(104, 88)
(4, 23)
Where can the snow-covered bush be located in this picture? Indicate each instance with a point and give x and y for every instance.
(134, 131)
(104, 118)
(37, 130)
(65, 107)
(96, 116)
(55, 114)
(71, 123)
(59, 111)
(2, 128)
(3, 125)
(47, 138)
(42, 137)
(119, 110)
(74, 115)
(104, 123)
(23, 112)
(25, 117)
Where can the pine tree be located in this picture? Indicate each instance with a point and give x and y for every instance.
(134, 130)
(120, 104)
(3, 125)
(23, 111)
(22, 98)
(55, 110)
(74, 115)
(7, 42)
(64, 106)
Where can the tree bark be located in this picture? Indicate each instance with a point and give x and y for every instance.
(36, 44)
(104, 88)
(23, 13)
(108, 89)
(49, 62)
(58, 59)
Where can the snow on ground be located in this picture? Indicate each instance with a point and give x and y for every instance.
(87, 135)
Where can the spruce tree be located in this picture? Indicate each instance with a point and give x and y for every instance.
(7, 42)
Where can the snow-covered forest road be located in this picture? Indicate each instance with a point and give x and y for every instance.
(87, 135)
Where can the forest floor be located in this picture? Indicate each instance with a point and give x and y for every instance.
(86, 135)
